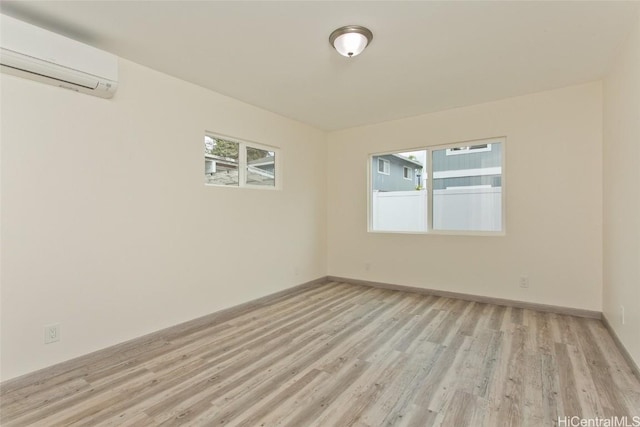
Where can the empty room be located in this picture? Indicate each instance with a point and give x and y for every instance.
(319, 213)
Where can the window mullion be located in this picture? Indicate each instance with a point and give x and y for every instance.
(242, 165)
(465, 195)
(429, 181)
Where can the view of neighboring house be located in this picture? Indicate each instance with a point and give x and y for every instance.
(262, 170)
(220, 170)
(395, 172)
(476, 166)
(222, 162)
(265, 164)
(465, 192)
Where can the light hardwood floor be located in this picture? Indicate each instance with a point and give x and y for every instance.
(340, 355)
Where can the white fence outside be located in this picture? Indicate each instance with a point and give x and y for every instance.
(399, 211)
(477, 209)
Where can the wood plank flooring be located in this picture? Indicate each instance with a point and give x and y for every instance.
(342, 355)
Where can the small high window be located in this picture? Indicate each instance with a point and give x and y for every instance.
(237, 163)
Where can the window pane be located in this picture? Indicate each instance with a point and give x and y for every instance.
(467, 188)
(383, 166)
(398, 199)
(261, 167)
(220, 161)
(407, 173)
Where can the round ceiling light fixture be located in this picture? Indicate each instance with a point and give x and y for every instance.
(350, 40)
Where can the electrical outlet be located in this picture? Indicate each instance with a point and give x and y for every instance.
(51, 333)
(622, 314)
(367, 266)
(524, 282)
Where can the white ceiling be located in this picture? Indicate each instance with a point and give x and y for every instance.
(425, 56)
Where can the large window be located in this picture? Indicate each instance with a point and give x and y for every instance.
(455, 188)
(237, 163)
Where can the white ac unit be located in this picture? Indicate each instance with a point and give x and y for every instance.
(34, 53)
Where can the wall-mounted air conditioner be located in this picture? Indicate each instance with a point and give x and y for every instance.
(34, 53)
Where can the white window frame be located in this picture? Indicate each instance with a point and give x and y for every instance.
(429, 188)
(242, 162)
(386, 167)
(409, 176)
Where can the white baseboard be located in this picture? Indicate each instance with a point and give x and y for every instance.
(476, 298)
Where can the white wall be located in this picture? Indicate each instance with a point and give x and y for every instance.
(622, 194)
(108, 229)
(553, 180)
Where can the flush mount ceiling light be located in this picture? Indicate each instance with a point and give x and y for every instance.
(350, 40)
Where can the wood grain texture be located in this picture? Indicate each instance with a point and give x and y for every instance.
(635, 367)
(341, 355)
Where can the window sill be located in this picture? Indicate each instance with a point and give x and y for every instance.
(445, 233)
(246, 187)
